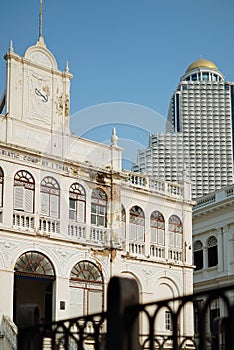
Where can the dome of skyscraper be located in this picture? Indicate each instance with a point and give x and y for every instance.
(201, 63)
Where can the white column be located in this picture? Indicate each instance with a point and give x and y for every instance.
(147, 235)
(8, 197)
(6, 292)
(61, 298)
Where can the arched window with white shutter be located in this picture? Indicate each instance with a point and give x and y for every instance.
(175, 232)
(77, 203)
(157, 227)
(50, 197)
(24, 188)
(137, 224)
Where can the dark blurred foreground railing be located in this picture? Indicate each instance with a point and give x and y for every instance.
(118, 328)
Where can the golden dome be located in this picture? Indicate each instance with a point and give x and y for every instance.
(201, 64)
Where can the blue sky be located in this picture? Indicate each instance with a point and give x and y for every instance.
(128, 51)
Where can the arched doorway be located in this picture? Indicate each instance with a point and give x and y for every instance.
(33, 288)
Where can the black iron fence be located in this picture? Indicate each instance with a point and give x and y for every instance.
(128, 325)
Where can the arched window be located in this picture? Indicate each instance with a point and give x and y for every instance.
(50, 197)
(1, 186)
(212, 249)
(137, 224)
(157, 225)
(198, 255)
(34, 263)
(175, 232)
(98, 207)
(24, 187)
(86, 289)
(77, 203)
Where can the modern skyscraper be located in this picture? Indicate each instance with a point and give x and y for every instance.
(200, 116)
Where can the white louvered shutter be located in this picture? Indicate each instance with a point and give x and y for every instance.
(76, 302)
(132, 232)
(153, 235)
(54, 206)
(94, 301)
(160, 236)
(81, 212)
(19, 198)
(171, 239)
(140, 233)
(29, 200)
(45, 204)
(178, 240)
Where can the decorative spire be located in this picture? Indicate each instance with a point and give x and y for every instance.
(114, 138)
(11, 49)
(67, 67)
(40, 20)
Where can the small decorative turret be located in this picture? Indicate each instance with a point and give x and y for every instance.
(67, 67)
(114, 138)
(11, 49)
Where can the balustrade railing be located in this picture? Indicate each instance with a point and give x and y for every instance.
(175, 254)
(98, 234)
(137, 248)
(49, 225)
(77, 231)
(157, 251)
(205, 201)
(230, 192)
(23, 220)
(155, 185)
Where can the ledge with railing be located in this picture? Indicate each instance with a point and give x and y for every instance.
(91, 234)
(215, 197)
(154, 185)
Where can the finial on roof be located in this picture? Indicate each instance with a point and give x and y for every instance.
(40, 39)
(67, 67)
(11, 49)
(114, 137)
(40, 20)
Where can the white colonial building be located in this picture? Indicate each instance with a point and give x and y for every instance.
(213, 245)
(70, 217)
